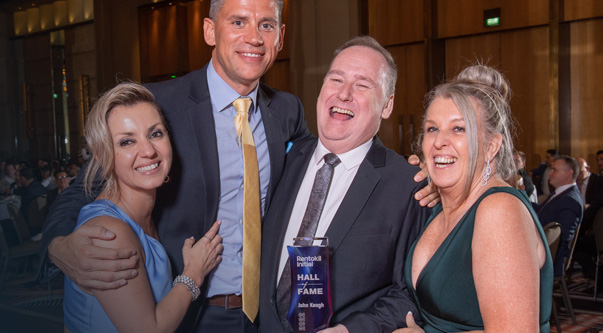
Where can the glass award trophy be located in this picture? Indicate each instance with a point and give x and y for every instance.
(310, 308)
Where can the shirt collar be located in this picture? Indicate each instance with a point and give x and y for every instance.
(349, 159)
(222, 95)
(563, 188)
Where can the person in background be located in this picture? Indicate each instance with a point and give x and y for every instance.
(48, 179)
(540, 175)
(132, 152)
(63, 181)
(73, 170)
(482, 262)
(9, 180)
(526, 180)
(29, 189)
(564, 205)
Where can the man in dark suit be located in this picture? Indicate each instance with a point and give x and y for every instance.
(207, 173)
(369, 215)
(29, 189)
(591, 190)
(563, 205)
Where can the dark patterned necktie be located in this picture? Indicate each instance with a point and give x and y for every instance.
(316, 203)
(546, 201)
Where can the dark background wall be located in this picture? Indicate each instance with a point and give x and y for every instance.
(549, 49)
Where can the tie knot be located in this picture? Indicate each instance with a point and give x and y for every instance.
(242, 104)
(332, 160)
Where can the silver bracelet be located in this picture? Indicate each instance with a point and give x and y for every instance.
(189, 284)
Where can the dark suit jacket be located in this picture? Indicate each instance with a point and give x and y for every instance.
(565, 208)
(188, 205)
(368, 241)
(594, 190)
(28, 194)
(594, 200)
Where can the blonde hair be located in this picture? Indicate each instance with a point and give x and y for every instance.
(98, 135)
(491, 92)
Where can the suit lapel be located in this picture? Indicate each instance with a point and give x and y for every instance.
(274, 233)
(202, 120)
(274, 138)
(358, 194)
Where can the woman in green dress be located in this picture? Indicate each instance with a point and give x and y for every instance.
(482, 262)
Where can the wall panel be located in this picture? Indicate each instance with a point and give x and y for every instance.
(394, 22)
(525, 62)
(457, 18)
(586, 63)
(582, 9)
(400, 130)
(461, 52)
(523, 56)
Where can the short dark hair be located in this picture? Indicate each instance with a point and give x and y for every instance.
(553, 152)
(571, 163)
(27, 173)
(599, 152)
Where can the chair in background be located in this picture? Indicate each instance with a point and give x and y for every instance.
(598, 231)
(7, 254)
(552, 231)
(20, 224)
(36, 214)
(566, 266)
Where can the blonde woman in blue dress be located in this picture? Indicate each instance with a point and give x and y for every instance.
(131, 151)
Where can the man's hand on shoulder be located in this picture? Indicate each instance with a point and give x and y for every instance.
(90, 266)
(429, 195)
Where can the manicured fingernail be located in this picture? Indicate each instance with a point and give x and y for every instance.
(109, 233)
(417, 178)
(122, 283)
(134, 273)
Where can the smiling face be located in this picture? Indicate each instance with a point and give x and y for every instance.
(247, 37)
(445, 145)
(351, 102)
(143, 154)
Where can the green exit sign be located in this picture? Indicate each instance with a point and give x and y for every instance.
(492, 17)
(493, 21)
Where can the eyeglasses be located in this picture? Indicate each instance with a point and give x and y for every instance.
(63, 177)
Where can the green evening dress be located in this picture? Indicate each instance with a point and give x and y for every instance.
(446, 295)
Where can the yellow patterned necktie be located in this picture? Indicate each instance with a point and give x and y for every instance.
(252, 233)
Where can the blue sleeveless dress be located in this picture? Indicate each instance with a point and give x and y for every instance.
(83, 312)
(446, 295)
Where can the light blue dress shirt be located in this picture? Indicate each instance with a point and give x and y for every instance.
(226, 279)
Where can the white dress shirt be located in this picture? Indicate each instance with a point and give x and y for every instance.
(343, 175)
